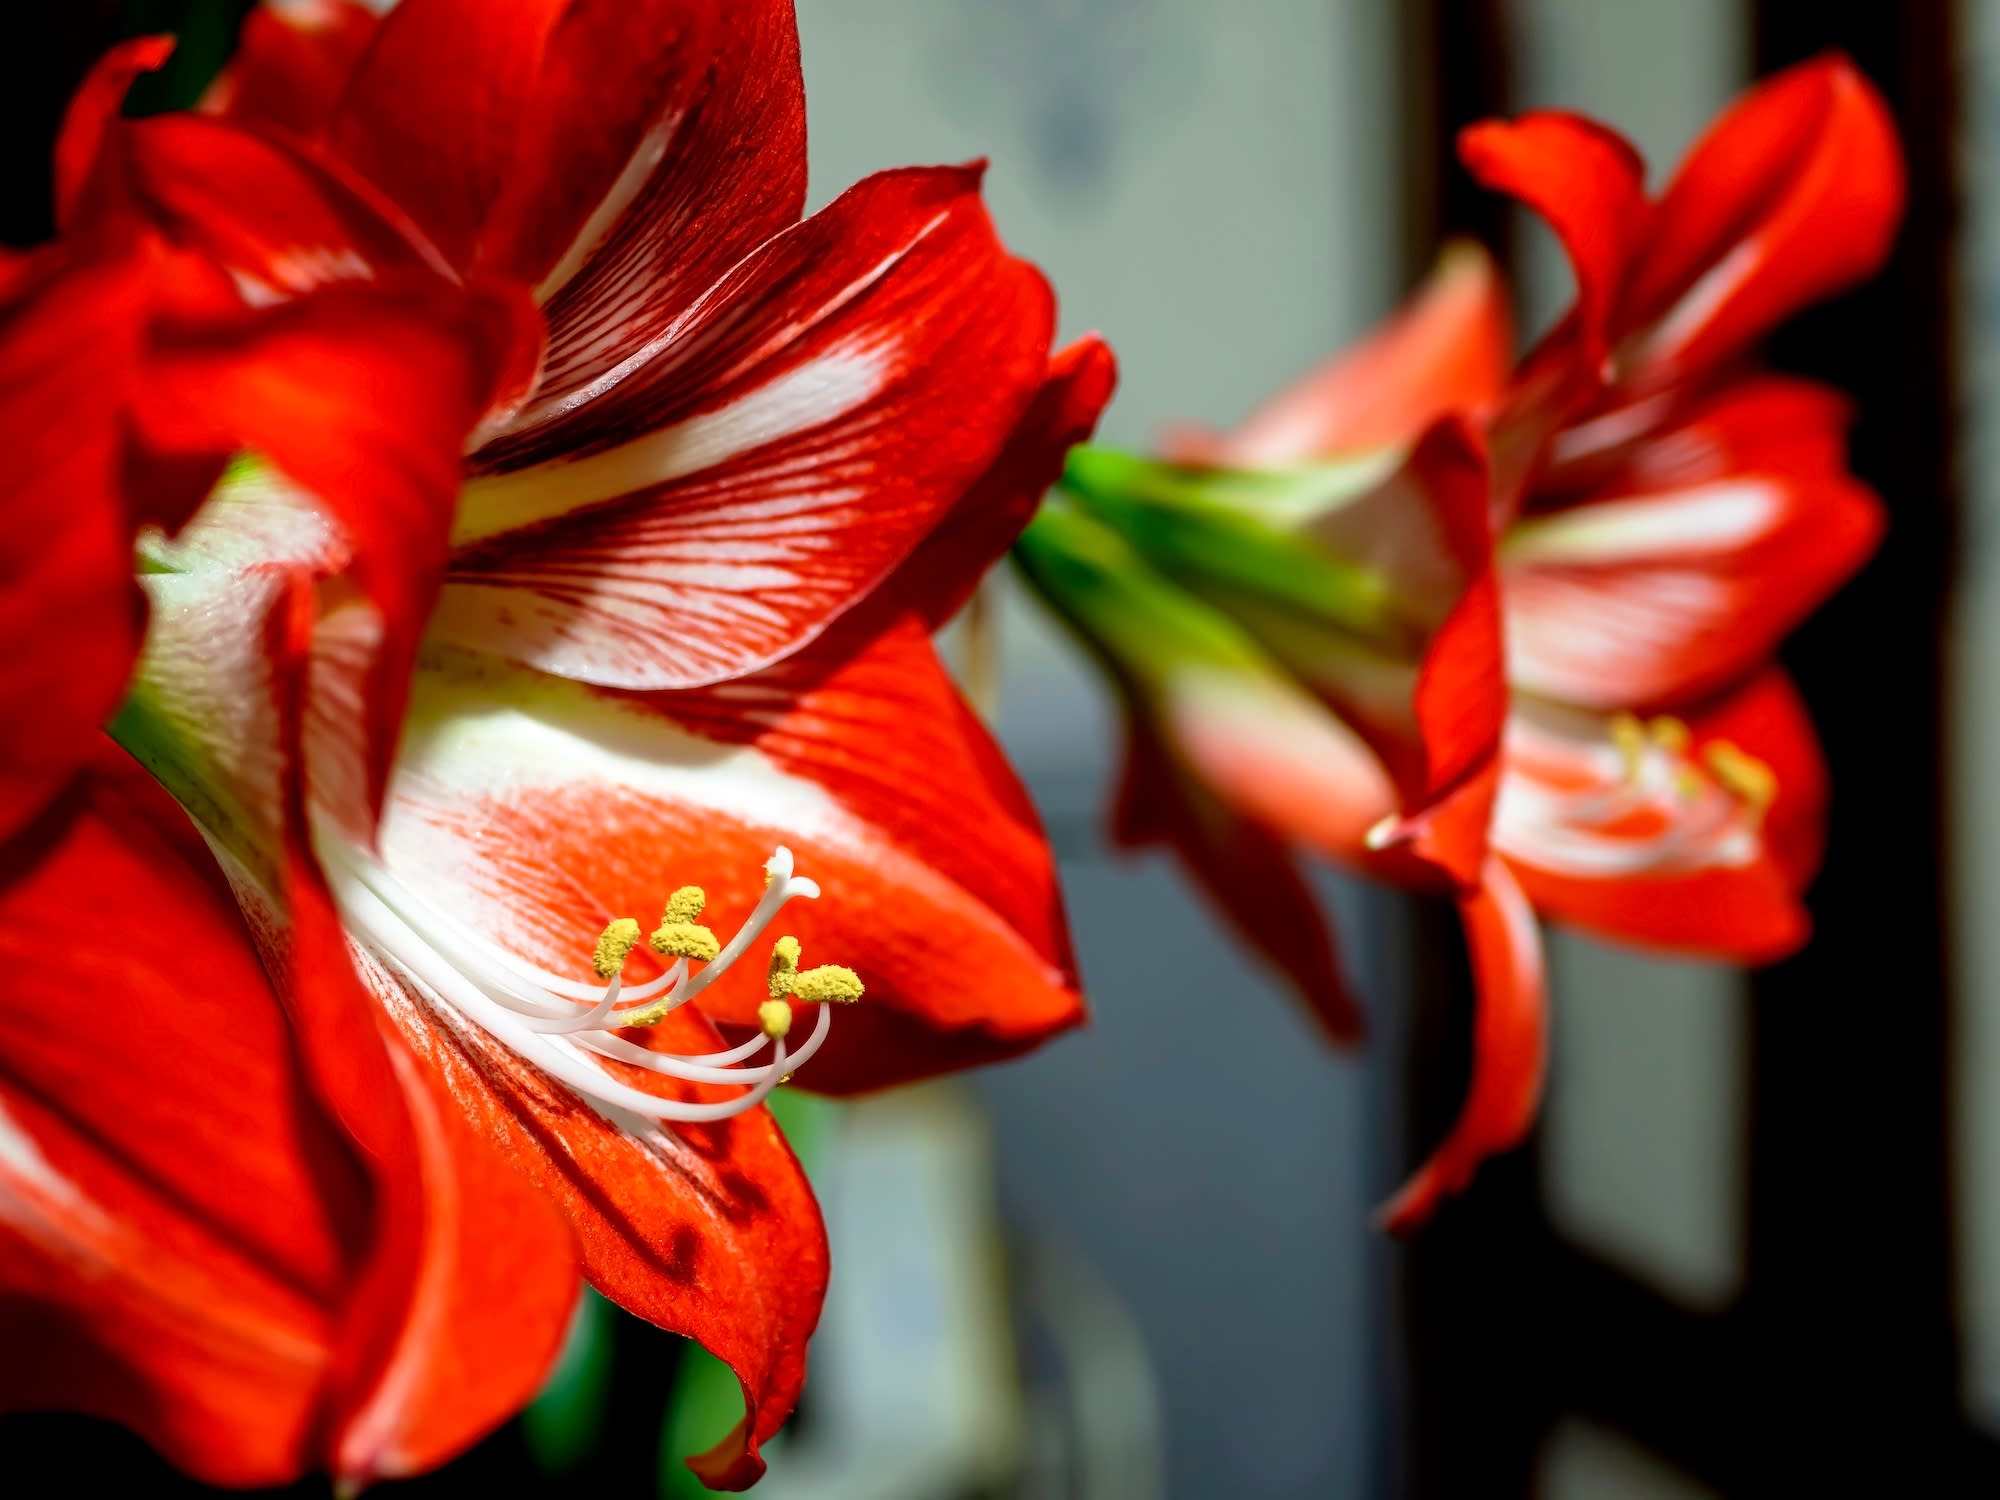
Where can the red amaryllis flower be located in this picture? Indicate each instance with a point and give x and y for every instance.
(1663, 518)
(678, 618)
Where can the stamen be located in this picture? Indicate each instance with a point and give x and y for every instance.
(614, 947)
(534, 1013)
(1670, 734)
(784, 966)
(1742, 775)
(1628, 735)
(827, 982)
(678, 934)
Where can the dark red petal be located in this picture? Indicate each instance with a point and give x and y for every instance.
(1767, 718)
(1249, 874)
(182, 1215)
(523, 136)
(436, 108)
(764, 469)
(1589, 183)
(650, 167)
(91, 119)
(1793, 194)
(1448, 349)
(69, 346)
(281, 219)
(292, 63)
(363, 396)
(938, 578)
(1509, 1048)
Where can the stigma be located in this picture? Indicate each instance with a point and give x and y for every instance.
(569, 1029)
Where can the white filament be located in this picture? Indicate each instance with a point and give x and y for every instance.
(534, 1013)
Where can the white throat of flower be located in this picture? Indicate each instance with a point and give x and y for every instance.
(563, 1026)
(1651, 805)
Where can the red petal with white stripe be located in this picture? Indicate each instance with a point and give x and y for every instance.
(1685, 565)
(763, 467)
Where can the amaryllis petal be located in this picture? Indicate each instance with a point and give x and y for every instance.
(436, 109)
(292, 63)
(278, 218)
(1687, 565)
(1229, 763)
(1793, 194)
(92, 117)
(1509, 1047)
(1588, 182)
(178, 1215)
(1766, 718)
(1248, 872)
(935, 581)
(1447, 350)
(68, 355)
(763, 468)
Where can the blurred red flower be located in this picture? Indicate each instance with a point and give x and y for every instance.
(1660, 517)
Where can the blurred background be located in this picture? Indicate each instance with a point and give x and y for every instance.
(1754, 1249)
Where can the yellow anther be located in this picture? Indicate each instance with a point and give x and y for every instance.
(1629, 736)
(685, 940)
(643, 1015)
(684, 906)
(618, 940)
(775, 1016)
(1670, 734)
(827, 982)
(784, 966)
(1742, 775)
